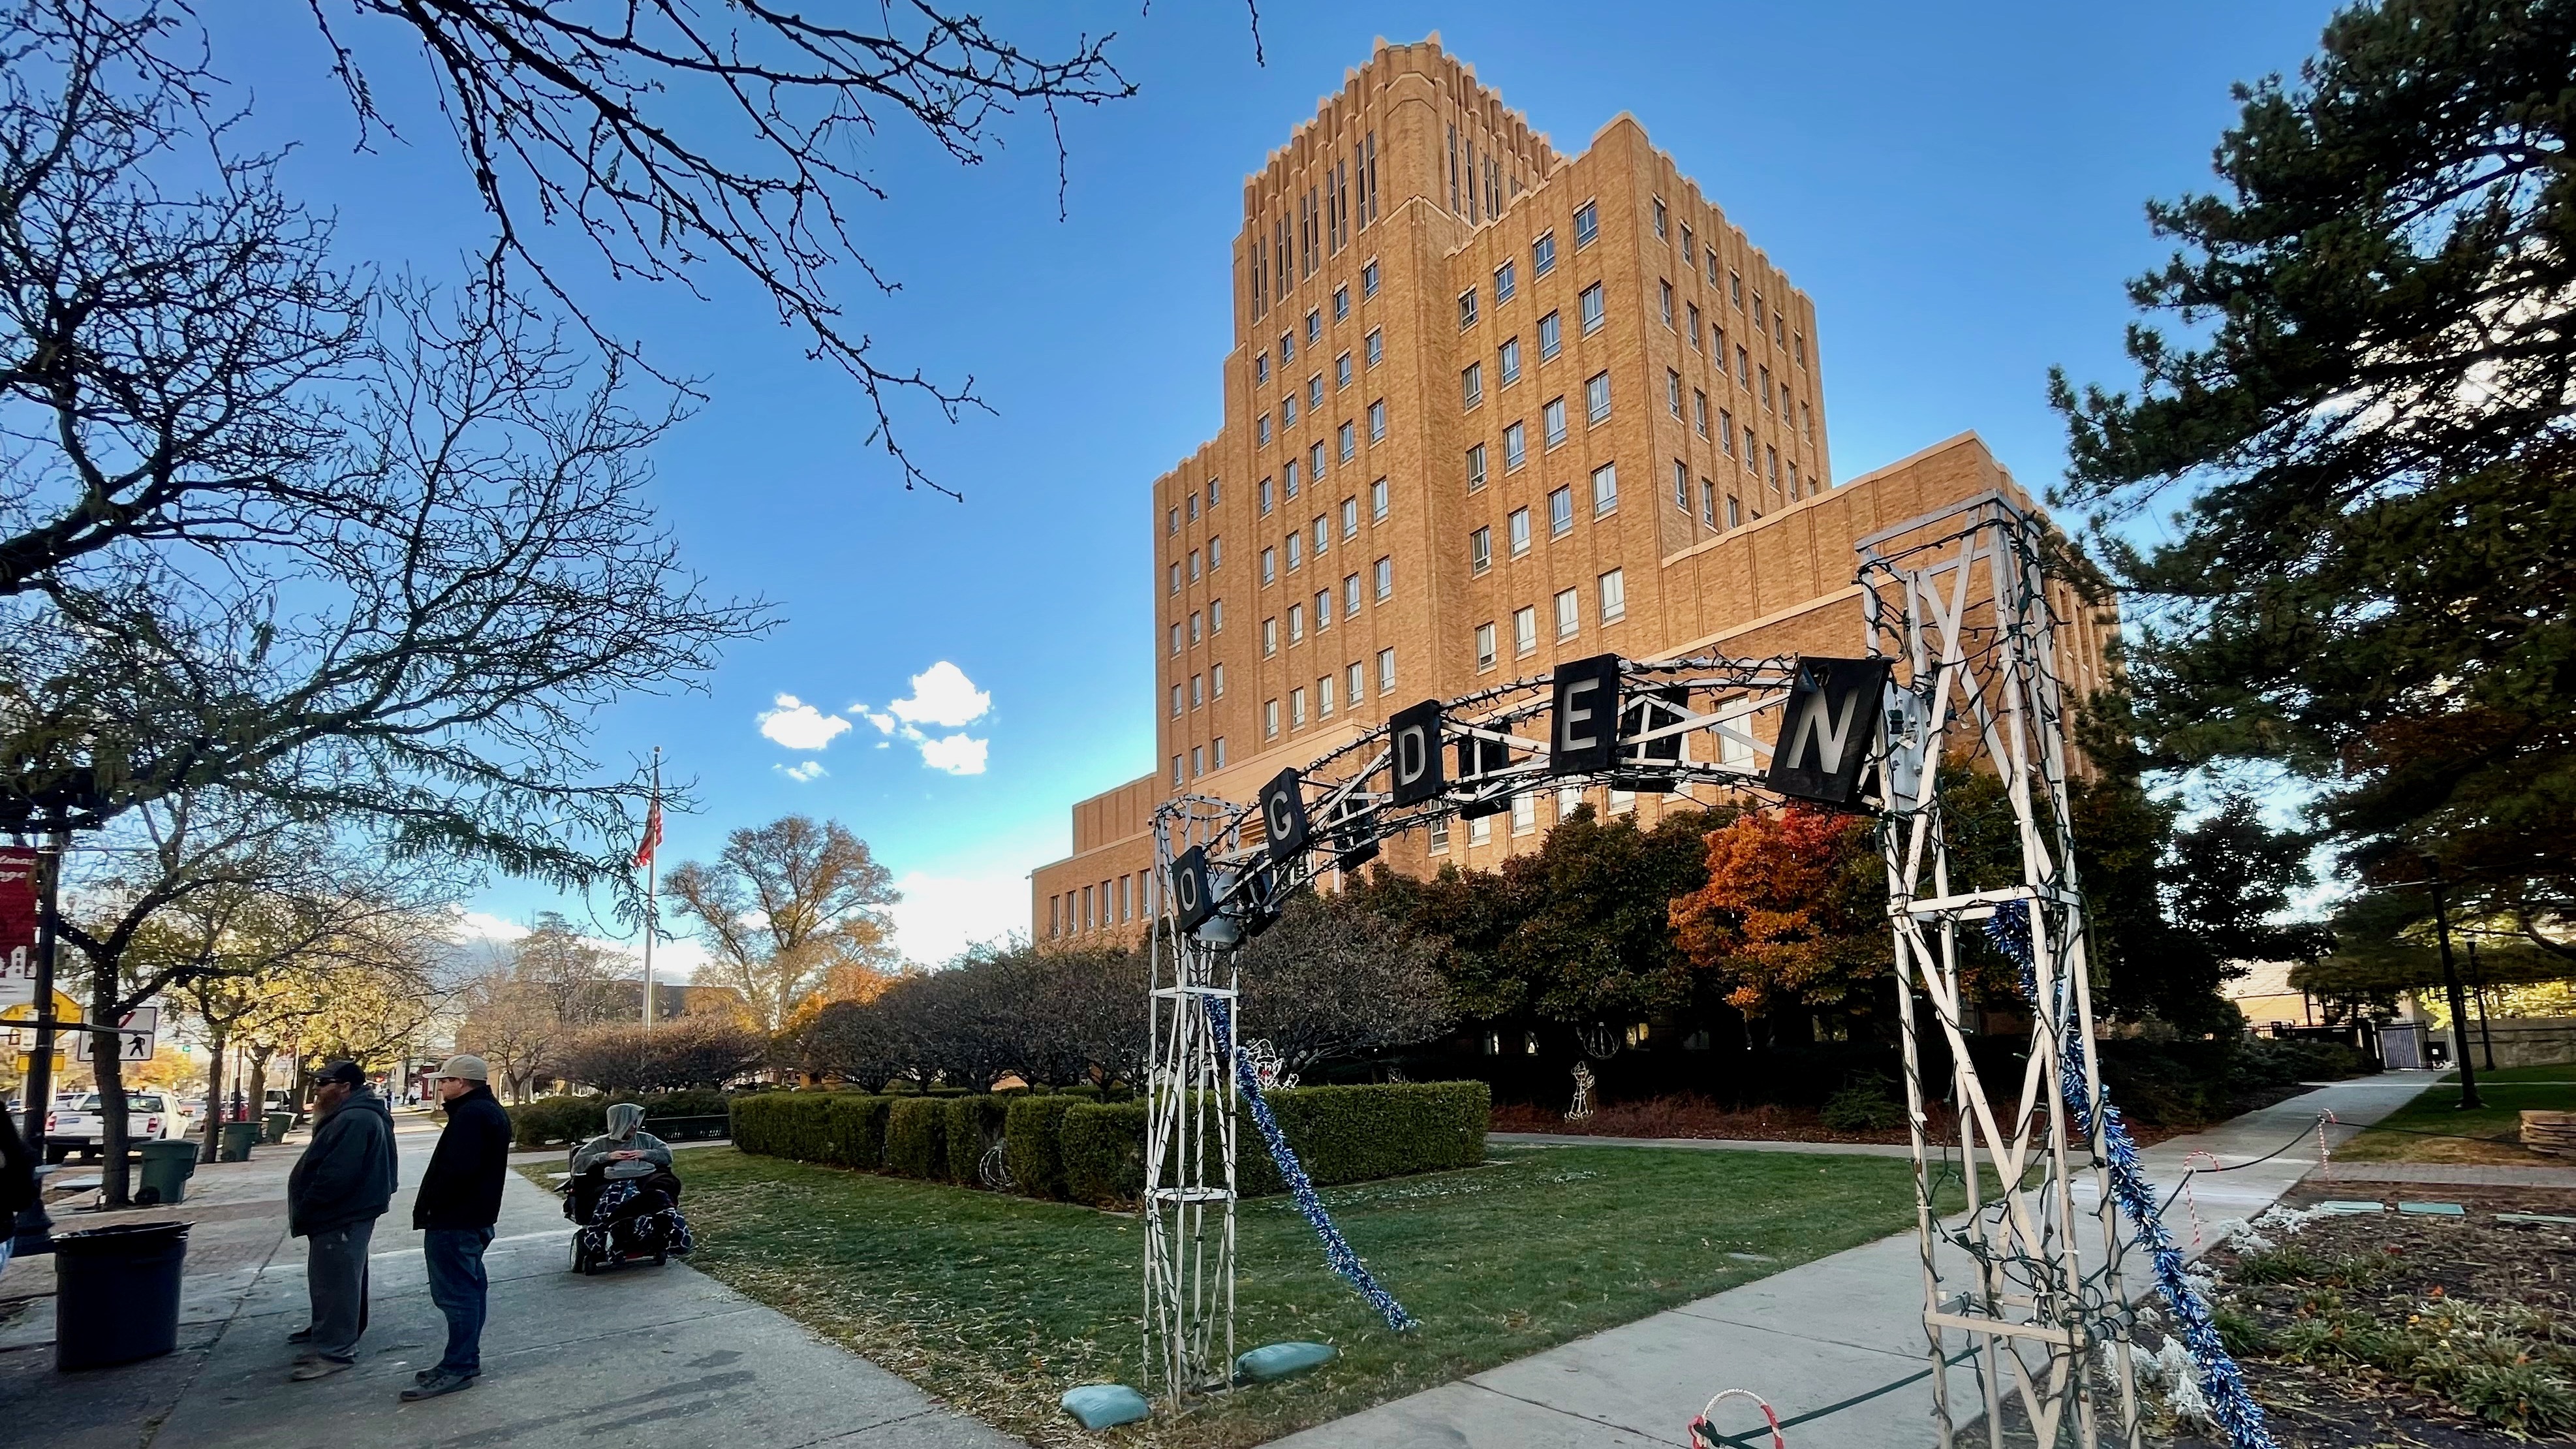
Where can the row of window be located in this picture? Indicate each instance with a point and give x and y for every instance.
(1315, 327)
(1215, 615)
(1382, 586)
(1214, 678)
(1560, 519)
(1099, 907)
(1323, 225)
(1568, 605)
(1345, 444)
(1172, 515)
(1215, 554)
(1321, 531)
(1351, 681)
(1198, 761)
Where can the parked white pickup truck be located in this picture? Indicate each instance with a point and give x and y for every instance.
(149, 1117)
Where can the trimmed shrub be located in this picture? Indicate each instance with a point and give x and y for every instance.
(549, 1121)
(781, 1124)
(916, 1138)
(854, 1130)
(1103, 1151)
(1032, 1144)
(974, 1125)
(1355, 1134)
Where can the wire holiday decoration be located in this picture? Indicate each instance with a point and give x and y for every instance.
(1581, 1108)
(1263, 1061)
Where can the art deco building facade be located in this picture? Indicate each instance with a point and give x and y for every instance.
(1488, 407)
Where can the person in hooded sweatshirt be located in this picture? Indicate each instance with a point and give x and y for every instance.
(339, 1187)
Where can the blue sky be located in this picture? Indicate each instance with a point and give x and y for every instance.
(1959, 188)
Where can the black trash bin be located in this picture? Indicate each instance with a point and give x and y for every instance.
(116, 1293)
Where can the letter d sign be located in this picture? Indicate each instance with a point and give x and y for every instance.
(1413, 741)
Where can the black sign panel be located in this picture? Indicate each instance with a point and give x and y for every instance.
(1479, 809)
(1192, 900)
(1583, 730)
(1828, 732)
(1636, 717)
(1481, 756)
(1283, 814)
(1413, 739)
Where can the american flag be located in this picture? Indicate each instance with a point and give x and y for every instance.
(652, 833)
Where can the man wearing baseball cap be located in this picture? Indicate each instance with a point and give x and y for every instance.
(459, 1201)
(334, 1195)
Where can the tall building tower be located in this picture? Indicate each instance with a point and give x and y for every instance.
(1488, 407)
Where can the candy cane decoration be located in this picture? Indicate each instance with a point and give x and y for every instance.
(1704, 1435)
(2189, 1204)
(2325, 1153)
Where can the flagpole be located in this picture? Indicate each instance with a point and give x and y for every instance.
(652, 907)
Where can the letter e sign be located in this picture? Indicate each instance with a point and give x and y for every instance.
(1583, 733)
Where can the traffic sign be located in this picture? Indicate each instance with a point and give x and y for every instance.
(24, 1037)
(137, 1035)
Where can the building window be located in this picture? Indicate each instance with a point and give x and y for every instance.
(1471, 383)
(1323, 534)
(1342, 304)
(1772, 456)
(1480, 550)
(1296, 623)
(1480, 831)
(1681, 485)
(1216, 757)
(1596, 396)
(1752, 458)
(1288, 412)
(1699, 411)
(1693, 309)
(1324, 697)
(1386, 671)
(1350, 518)
(1594, 310)
(1807, 421)
(1177, 777)
(1673, 392)
(1314, 326)
(1315, 393)
(1296, 551)
(1484, 647)
(1288, 475)
(1757, 312)
(1194, 566)
(1261, 366)
(1385, 572)
(1734, 512)
(1377, 501)
(1358, 687)
(1176, 638)
(1264, 491)
(1614, 596)
(1664, 291)
(1297, 708)
(1569, 610)
(1708, 503)
(1197, 686)
(1587, 225)
(1216, 616)
(1507, 362)
(1553, 418)
(1551, 336)
(1368, 280)
(1605, 488)
(1194, 627)
(1439, 837)
(1269, 636)
(1688, 250)
(1194, 507)
(1172, 521)
(1216, 690)
(1793, 480)
(1350, 595)
(1525, 630)
(1176, 701)
(1543, 255)
(1743, 365)
(1560, 512)
(1735, 288)
(1467, 308)
(1261, 430)
(1270, 719)
(1524, 814)
(1287, 348)
(1375, 347)
(1622, 801)
(1342, 371)
(1323, 610)
(1346, 442)
(1798, 347)
(1475, 467)
(1504, 282)
(1516, 531)
(1726, 431)
(1377, 421)
(1269, 565)
(1515, 446)
(1712, 266)
(1764, 372)
(1663, 220)
(1176, 577)
(1216, 550)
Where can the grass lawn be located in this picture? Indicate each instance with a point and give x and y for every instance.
(2491, 1134)
(999, 1304)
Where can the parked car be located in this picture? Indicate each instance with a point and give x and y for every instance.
(149, 1117)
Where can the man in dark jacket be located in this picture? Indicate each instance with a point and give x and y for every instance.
(459, 1200)
(339, 1187)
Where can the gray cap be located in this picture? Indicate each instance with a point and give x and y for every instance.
(471, 1068)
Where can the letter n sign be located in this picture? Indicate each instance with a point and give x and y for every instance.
(1191, 902)
(1828, 728)
(1413, 747)
(1583, 732)
(1283, 814)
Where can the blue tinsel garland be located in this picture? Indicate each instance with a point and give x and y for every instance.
(1337, 1252)
(2230, 1404)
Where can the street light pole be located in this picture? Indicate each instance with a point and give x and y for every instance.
(40, 1064)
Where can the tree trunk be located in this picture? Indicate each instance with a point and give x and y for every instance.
(221, 1043)
(107, 1062)
(259, 1083)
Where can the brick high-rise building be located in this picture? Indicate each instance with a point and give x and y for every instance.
(1488, 407)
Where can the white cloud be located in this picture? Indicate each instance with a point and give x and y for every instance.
(941, 915)
(957, 754)
(484, 926)
(800, 726)
(942, 695)
(804, 772)
(674, 959)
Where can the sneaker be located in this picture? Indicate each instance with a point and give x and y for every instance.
(301, 1335)
(424, 1375)
(439, 1382)
(320, 1368)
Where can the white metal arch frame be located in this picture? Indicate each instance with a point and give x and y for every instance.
(1946, 660)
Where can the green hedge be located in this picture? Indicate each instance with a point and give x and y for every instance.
(974, 1124)
(1032, 1147)
(1063, 1146)
(550, 1121)
(916, 1138)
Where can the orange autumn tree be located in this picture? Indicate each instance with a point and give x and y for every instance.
(1794, 912)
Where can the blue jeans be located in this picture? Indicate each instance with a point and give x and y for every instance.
(457, 1286)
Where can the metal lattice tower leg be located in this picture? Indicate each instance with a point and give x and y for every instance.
(1189, 1141)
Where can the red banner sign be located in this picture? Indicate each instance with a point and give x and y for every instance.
(17, 922)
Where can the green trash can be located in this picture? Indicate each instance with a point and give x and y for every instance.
(273, 1126)
(167, 1166)
(238, 1137)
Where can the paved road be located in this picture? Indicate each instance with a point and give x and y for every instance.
(643, 1358)
(1803, 1338)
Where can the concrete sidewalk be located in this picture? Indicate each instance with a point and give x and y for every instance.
(1811, 1335)
(650, 1358)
